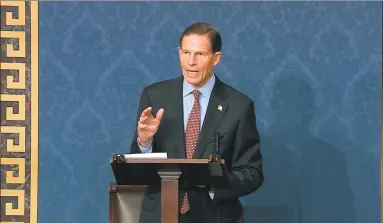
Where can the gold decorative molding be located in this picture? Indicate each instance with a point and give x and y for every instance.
(19, 111)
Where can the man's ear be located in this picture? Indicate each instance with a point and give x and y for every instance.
(217, 58)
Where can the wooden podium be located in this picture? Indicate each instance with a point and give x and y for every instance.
(167, 173)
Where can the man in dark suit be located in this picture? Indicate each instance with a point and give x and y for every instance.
(189, 111)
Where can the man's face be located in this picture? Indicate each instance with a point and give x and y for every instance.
(197, 59)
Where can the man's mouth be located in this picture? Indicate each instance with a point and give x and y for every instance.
(192, 72)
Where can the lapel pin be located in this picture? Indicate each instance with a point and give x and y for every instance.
(220, 107)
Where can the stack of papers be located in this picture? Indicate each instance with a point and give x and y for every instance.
(147, 156)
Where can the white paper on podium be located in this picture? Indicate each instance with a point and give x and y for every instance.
(147, 156)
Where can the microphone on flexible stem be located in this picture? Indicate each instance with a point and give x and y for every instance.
(217, 143)
(215, 160)
(214, 157)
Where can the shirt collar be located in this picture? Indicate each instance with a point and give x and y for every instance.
(204, 90)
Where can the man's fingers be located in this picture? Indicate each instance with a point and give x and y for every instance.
(151, 128)
(142, 119)
(146, 112)
(148, 122)
(159, 115)
(141, 126)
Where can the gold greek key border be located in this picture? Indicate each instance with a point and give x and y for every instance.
(34, 109)
(19, 111)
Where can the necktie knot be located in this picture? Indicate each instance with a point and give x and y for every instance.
(196, 95)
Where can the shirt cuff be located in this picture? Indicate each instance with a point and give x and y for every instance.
(147, 149)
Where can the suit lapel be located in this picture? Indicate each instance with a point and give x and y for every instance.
(213, 117)
(176, 103)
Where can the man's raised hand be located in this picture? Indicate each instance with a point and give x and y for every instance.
(148, 125)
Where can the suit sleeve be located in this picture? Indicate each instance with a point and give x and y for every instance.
(246, 174)
(143, 104)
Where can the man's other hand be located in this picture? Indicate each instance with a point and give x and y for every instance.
(148, 126)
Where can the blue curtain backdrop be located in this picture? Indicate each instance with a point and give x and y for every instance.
(312, 68)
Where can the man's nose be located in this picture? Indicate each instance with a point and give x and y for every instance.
(192, 60)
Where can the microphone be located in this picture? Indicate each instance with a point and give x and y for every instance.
(214, 157)
(217, 144)
(215, 160)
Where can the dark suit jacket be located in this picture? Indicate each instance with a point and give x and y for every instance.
(239, 146)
